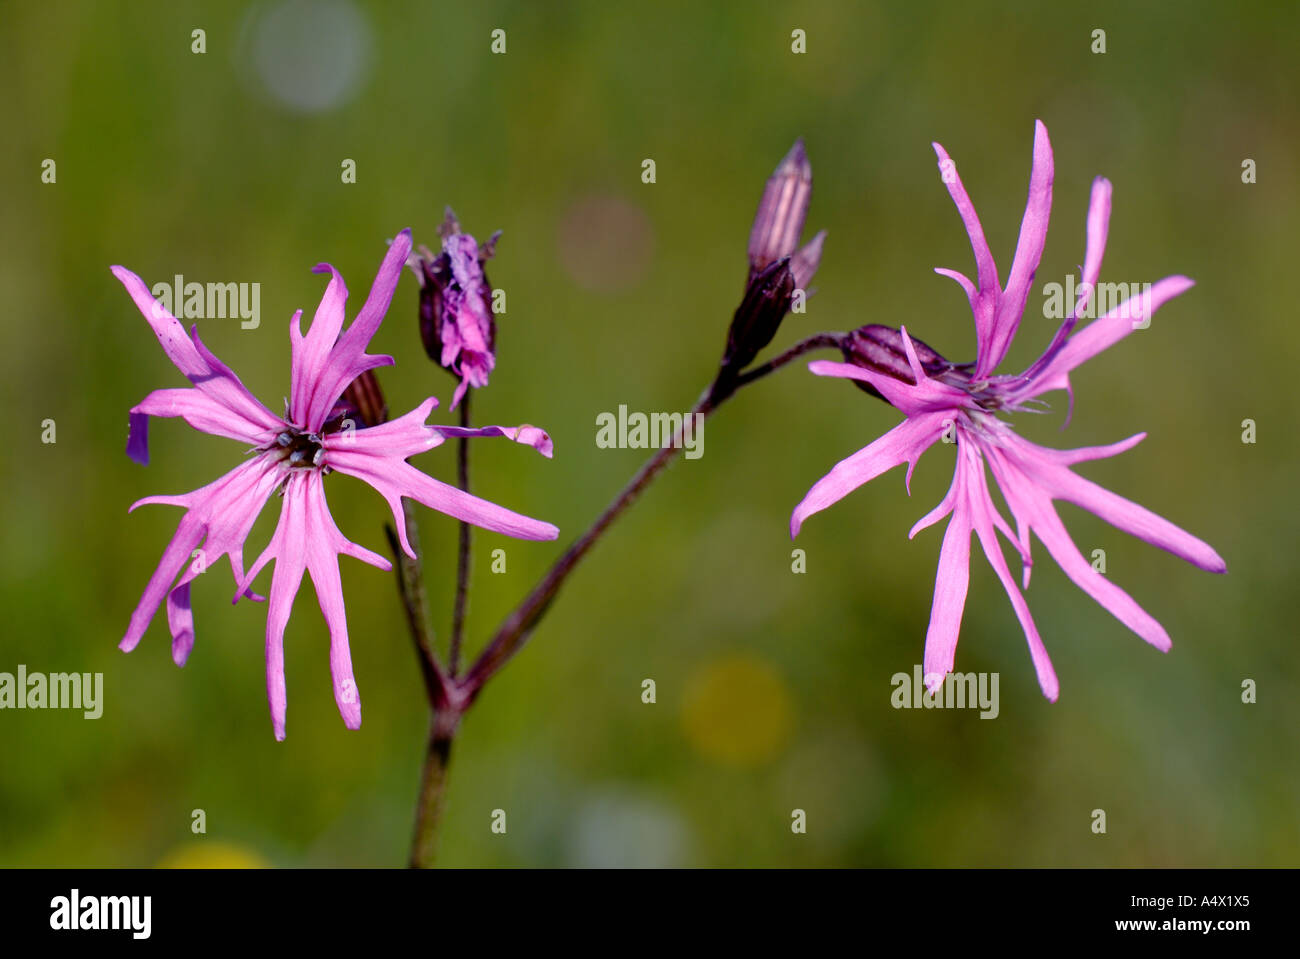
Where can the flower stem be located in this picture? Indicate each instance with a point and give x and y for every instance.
(440, 688)
(449, 696)
(433, 786)
(410, 586)
(463, 552)
(819, 341)
(518, 626)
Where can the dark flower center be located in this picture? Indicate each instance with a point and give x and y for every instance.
(300, 450)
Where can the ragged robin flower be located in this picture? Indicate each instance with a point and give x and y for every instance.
(291, 455)
(969, 403)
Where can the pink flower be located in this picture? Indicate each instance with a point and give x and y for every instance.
(292, 455)
(456, 321)
(962, 403)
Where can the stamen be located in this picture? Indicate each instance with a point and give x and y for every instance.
(299, 450)
(1049, 354)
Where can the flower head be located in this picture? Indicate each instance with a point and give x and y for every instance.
(291, 455)
(966, 403)
(456, 322)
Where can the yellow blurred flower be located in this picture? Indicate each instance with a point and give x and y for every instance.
(736, 710)
(210, 854)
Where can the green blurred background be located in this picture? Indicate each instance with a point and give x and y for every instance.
(773, 688)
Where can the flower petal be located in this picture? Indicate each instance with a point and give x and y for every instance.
(311, 352)
(1029, 251)
(218, 517)
(288, 547)
(200, 411)
(984, 304)
(137, 437)
(903, 444)
(804, 263)
(209, 375)
(322, 561)
(1098, 226)
(1060, 482)
(532, 436)
(393, 479)
(950, 585)
(1049, 528)
(348, 359)
(399, 438)
(186, 539)
(180, 620)
(986, 520)
(1047, 680)
(946, 506)
(1085, 453)
(926, 396)
(1103, 333)
(376, 455)
(1033, 510)
(459, 394)
(972, 294)
(306, 539)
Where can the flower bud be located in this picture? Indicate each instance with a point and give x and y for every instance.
(781, 212)
(780, 219)
(759, 315)
(880, 349)
(776, 269)
(805, 261)
(456, 322)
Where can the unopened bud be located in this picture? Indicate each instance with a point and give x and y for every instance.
(759, 316)
(781, 212)
(804, 263)
(776, 269)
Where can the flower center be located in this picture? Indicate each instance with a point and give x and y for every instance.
(299, 450)
(984, 427)
(988, 396)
